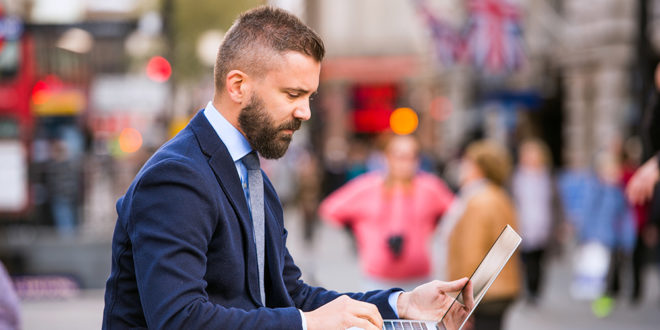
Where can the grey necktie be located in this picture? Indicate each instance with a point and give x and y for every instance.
(256, 189)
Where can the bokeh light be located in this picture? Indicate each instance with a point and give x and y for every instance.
(130, 140)
(159, 69)
(403, 121)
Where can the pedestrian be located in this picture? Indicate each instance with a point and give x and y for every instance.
(475, 220)
(393, 215)
(533, 194)
(63, 185)
(610, 223)
(643, 185)
(643, 182)
(631, 154)
(200, 241)
(9, 305)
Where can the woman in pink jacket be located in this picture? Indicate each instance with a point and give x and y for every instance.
(392, 215)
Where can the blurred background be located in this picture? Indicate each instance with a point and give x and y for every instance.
(89, 89)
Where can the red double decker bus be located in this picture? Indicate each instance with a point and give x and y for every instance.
(41, 101)
(16, 120)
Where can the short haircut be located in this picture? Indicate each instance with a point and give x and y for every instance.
(492, 159)
(540, 147)
(402, 138)
(259, 35)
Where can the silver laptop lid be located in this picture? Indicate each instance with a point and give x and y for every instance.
(487, 271)
(482, 278)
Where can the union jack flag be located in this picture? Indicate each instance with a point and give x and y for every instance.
(446, 40)
(494, 36)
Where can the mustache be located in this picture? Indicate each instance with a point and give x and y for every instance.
(293, 125)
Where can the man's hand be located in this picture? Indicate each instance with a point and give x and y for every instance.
(343, 313)
(430, 301)
(640, 187)
(458, 312)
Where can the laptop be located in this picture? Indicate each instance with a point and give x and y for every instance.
(482, 278)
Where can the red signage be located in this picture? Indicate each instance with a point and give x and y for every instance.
(372, 106)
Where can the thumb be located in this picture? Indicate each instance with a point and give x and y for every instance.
(453, 286)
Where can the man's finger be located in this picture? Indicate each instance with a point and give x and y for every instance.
(639, 192)
(368, 312)
(468, 296)
(361, 323)
(453, 286)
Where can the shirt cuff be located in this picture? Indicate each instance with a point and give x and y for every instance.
(394, 297)
(304, 320)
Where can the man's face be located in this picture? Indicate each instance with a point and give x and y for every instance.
(279, 103)
(402, 158)
(467, 171)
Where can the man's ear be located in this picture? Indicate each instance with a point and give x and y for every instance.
(237, 86)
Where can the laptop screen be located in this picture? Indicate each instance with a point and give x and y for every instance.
(482, 278)
(473, 291)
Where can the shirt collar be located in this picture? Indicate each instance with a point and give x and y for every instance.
(236, 143)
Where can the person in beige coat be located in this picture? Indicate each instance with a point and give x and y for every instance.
(482, 210)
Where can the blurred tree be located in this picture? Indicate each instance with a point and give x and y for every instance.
(186, 20)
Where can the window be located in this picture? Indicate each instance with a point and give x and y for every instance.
(9, 59)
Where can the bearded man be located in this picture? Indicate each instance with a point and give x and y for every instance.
(200, 241)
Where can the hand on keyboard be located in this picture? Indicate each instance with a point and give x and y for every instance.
(345, 313)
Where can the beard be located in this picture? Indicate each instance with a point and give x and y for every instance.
(264, 136)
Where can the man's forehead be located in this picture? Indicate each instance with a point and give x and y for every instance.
(295, 70)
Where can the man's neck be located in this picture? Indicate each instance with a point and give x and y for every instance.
(227, 109)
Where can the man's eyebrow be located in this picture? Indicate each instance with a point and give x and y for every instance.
(298, 90)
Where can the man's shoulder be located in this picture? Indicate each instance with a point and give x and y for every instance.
(178, 156)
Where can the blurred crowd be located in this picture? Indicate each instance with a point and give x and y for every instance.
(412, 219)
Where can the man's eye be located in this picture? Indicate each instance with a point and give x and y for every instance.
(293, 95)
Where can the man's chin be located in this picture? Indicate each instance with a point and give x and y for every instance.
(276, 152)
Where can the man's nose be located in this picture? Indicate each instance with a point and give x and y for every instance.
(303, 111)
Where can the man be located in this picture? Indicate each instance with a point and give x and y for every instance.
(642, 184)
(200, 242)
(643, 190)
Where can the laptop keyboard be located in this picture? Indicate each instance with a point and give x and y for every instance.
(404, 325)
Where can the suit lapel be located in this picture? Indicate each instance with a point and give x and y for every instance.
(223, 166)
(273, 241)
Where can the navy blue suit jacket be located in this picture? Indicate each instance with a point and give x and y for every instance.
(183, 253)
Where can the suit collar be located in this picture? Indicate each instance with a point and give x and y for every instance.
(236, 143)
(223, 166)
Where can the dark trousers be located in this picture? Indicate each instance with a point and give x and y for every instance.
(490, 314)
(534, 271)
(639, 260)
(618, 263)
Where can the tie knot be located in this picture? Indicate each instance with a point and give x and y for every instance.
(251, 161)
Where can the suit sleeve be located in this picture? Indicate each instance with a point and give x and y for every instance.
(172, 220)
